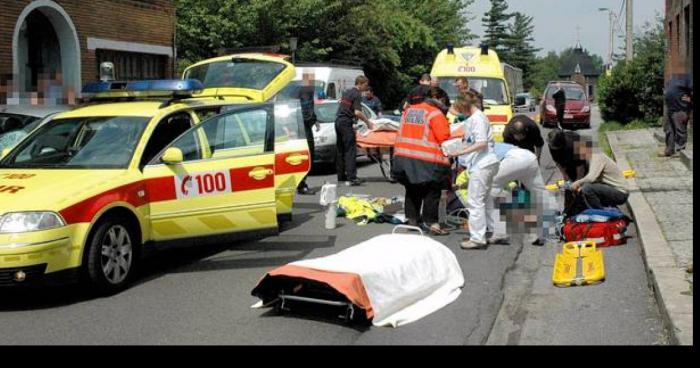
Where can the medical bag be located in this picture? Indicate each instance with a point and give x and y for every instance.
(605, 234)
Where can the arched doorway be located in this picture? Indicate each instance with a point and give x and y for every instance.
(45, 45)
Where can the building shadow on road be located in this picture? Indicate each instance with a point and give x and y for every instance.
(237, 255)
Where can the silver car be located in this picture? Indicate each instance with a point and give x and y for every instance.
(525, 102)
(17, 121)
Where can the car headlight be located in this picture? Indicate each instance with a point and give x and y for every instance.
(586, 109)
(551, 108)
(22, 222)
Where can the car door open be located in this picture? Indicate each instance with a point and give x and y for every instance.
(217, 178)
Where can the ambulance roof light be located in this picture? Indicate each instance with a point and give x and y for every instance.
(176, 86)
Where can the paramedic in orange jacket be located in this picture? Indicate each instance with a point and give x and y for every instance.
(419, 163)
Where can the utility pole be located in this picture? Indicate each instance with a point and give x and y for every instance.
(612, 37)
(630, 29)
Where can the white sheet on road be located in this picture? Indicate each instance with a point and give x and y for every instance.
(407, 277)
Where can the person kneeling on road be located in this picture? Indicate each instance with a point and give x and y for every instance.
(603, 186)
(480, 160)
(520, 165)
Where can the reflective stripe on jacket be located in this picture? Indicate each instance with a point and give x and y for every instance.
(423, 128)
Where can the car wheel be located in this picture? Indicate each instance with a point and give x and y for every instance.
(111, 255)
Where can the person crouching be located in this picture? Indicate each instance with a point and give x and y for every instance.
(419, 164)
(480, 160)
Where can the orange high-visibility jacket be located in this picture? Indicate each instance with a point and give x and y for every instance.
(423, 129)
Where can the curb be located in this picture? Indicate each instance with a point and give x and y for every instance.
(667, 280)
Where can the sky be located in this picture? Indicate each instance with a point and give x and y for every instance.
(556, 21)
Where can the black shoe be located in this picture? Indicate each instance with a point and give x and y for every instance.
(539, 242)
(354, 183)
(306, 191)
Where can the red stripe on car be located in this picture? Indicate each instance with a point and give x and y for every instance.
(241, 179)
(498, 118)
(282, 167)
(85, 211)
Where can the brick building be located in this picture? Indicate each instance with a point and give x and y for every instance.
(579, 67)
(678, 24)
(66, 40)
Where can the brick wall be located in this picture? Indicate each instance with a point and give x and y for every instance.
(142, 21)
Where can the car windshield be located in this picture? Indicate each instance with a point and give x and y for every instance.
(95, 142)
(292, 89)
(572, 93)
(236, 73)
(326, 112)
(493, 90)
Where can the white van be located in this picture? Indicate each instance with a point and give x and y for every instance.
(333, 80)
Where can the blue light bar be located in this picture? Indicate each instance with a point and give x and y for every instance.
(101, 87)
(166, 85)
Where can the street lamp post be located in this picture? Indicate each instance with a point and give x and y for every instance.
(293, 43)
(612, 39)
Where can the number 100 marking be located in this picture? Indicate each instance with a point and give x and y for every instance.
(209, 183)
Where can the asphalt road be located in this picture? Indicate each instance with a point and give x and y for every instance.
(202, 296)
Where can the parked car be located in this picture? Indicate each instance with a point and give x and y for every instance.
(578, 107)
(17, 121)
(325, 139)
(525, 101)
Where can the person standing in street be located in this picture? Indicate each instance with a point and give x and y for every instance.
(524, 133)
(349, 111)
(679, 103)
(560, 104)
(306, 94)
(372, 101)
(419, 163)
(480, 160)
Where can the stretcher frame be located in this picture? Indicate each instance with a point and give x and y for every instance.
(282, 299)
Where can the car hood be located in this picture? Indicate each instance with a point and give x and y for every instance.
(55, 190)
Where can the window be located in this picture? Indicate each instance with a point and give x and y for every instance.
(165, 133)
(241, 133)
(332, 95)
(237, 73)
(133, 66)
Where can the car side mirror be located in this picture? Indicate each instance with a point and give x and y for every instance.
(5, 152)
(172, 156)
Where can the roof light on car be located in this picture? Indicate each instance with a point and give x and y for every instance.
(174, 86)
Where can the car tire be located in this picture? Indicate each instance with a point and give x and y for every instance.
(112, 255)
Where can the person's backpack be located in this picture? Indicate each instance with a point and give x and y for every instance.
(606, 227)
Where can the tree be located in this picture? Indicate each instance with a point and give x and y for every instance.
(393, 40)
(634, 90)
(543, 70)
(495, 23)
(520, 42)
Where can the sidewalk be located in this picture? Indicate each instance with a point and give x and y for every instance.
(661, 201)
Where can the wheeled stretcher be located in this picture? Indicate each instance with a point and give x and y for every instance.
(390, 280)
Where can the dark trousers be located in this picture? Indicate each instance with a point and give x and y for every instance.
(676, 129)
(308, 130)
(560, 117)
(425, 196)
(346, 165)
(598, 196)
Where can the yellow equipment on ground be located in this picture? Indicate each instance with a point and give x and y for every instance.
(579, 263)
(563, 183)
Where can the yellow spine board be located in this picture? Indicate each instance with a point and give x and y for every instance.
(579, 263)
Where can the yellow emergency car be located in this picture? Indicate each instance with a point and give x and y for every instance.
(92, 188)
(248, 77)
(483, 69)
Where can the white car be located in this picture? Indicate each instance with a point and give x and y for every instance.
(325, 139)
(525, 101)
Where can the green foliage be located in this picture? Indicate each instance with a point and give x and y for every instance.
(544, 69)
(393, 40)
(634, 90)
(520, 42)
(495, 23)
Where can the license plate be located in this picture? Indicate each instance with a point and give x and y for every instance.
(568, 116)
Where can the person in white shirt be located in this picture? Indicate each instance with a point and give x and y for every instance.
(479, 158)
(521, 165)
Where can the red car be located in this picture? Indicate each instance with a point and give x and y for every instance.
(578, 108)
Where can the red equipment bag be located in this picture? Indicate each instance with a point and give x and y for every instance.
(604, 234)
